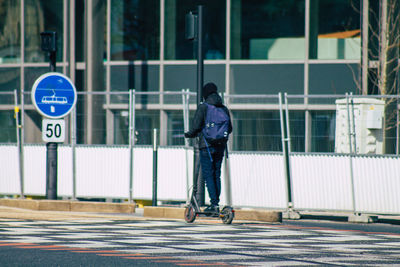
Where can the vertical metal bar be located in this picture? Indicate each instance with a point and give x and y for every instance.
(65, 36)
(154, 199)
(285, 154)
(22, 81)
(353, 124)
(397, 126)
(306, 74)
(73, 147)
(350, 156)
(364, 47)
(185, 102)
(17, 128)
(162, 51)
(185, 116)
(287, 124)
(22, 137)
(131, 140)
(227, 180)
(228, 49)
(72, 41)
(348, 123)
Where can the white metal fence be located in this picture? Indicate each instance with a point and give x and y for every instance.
(318, 181)
(282, 179)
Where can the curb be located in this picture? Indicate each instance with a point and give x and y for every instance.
(129, 208)
(246, 215)
(65, 205)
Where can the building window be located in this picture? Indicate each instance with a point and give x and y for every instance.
(175, 128)
(267, 79)
(135, 30)
(267, 29)
(145, 122)
(10, 37)
(323, 131)
(256, 131)
(297, 131)
(333, 79)
(335, 29)
(9, 80)
(7, 127)
(214, 17)
(40, 16)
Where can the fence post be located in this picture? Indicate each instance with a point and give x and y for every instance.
(19, 147)
(350, 154)
(227, 180)
(154, 199)
(73, 147)
(185, 104)
(131, 140)
(289, 214)
(22, 137)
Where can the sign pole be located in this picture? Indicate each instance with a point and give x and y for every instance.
(51, 147)
(54, 96)
(194, 32)
(200, 74)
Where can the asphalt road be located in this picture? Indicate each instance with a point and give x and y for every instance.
(134, 242)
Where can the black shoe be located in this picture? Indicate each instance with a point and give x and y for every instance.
(212, 209)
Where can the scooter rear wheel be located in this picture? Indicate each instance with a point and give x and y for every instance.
(190, 214)
(227, 215)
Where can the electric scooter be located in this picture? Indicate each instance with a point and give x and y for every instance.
(193, 210)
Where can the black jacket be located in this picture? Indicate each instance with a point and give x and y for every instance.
(200, 116)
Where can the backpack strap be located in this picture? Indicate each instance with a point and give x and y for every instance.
(208, 150)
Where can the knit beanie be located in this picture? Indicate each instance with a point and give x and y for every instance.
(208, 89)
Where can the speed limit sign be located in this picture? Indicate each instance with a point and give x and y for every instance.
(53, 130)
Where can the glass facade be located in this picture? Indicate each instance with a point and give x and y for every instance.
(176, 47)
(10, 33)
(252, 47)
(40, 16)
(267, 29)
(135, 31)
(335, 29)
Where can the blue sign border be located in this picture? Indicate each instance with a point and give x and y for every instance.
(67, 102)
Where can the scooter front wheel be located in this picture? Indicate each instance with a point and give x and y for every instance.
(190, 214)
(227, 214)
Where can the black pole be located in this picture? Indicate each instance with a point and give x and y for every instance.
(198, 180)
(154, 199)
(51, 153)
(52, 56)
(51, 171)
(200, 57)
(49, 44)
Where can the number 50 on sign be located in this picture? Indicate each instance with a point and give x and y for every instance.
(53, 130)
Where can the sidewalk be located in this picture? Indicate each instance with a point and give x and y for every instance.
(68, 210)
(72, 210)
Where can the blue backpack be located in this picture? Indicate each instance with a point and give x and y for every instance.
(216, 125)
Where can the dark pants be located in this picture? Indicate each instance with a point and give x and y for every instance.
(211, 171)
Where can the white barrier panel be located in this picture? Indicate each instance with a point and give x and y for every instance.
(143, 172)
(377, 183)
(9, 170)
(102, 172)
(64, 171)
(172, 180)
(35, 170)
(321, 182)
(258, 180)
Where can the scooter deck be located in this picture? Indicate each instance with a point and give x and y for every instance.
(208, 214)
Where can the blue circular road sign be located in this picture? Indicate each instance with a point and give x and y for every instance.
(54, 95)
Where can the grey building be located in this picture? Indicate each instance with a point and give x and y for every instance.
(259, 47)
